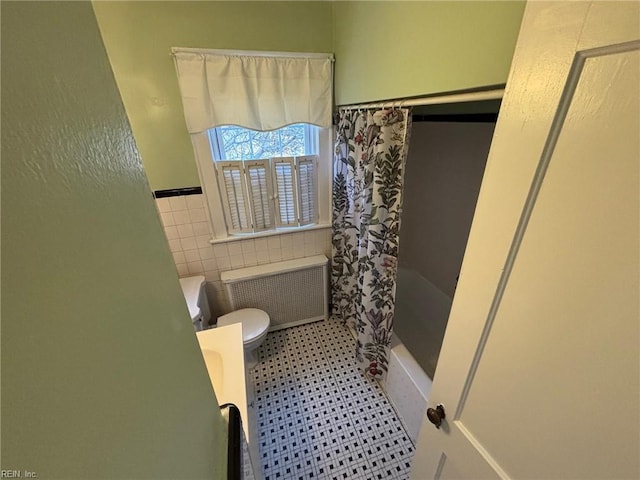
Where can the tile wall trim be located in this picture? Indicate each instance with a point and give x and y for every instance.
(176, 192)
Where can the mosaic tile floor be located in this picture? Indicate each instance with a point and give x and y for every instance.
(318, 416)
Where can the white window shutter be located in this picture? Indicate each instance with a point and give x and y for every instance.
(283, 170)
(307, 178)
(233, 191)
(260, 194)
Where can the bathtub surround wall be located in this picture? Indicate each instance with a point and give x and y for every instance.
(422, 310)
(442, 181)
(186, 223)
(444, 172)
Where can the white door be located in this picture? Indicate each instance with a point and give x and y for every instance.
(540, 368)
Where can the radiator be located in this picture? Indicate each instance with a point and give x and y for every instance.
(291, 292)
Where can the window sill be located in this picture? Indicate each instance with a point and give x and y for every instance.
(270, 233)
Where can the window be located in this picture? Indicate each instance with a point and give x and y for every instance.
(238, 143)
(266, 180)
(263, 163)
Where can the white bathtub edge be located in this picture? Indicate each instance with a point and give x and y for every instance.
(408, 388)
(415, 373)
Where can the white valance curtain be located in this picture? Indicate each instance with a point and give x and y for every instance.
(257, 90)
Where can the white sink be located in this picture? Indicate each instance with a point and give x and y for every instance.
(214, 362)
(223, 353)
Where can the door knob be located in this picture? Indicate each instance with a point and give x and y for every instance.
(436, 415)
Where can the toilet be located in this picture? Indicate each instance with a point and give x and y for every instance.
(196, 298)
(255, 326)
(255, 322)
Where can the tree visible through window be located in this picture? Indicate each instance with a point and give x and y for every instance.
(267, 179)
(237, 143)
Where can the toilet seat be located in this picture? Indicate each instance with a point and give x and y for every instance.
(255, 323)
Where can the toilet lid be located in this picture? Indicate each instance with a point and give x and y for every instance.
(191, 290)
(254, 322)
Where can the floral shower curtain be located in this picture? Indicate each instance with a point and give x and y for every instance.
(369, 161)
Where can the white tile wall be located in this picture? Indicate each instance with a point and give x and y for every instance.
(186, 225)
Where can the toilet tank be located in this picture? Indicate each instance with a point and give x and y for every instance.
(193, 289)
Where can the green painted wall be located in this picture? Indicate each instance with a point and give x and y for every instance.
(398, 49)
(138, 37)
(102, 376)
(383, 50)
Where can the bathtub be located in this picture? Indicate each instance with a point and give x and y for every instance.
(425, 309)
(421, 315)
(408, 387)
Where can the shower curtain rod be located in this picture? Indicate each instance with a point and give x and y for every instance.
(431, 100)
